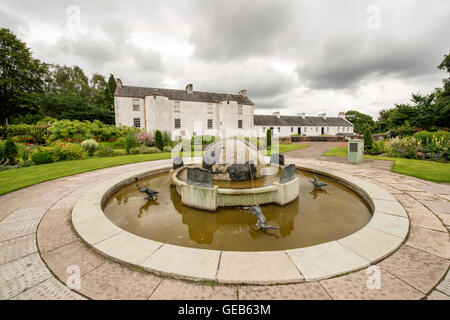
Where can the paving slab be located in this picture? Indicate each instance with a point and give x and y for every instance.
(170, 289)
(24, 214)
(97, 230)
(361, 286)
(404, 187)
(257, 267)
(423, 195)
(326, 260)
(17, 248)
(13, 230)
(112, 281)
(419, 269)
(371, 244)
(390, 207)
(437, 295)
(52, 237)
(74, 254)
(444, 285)
(50, 289)
(435, 242)
(21, 274)
(56, 217)
(298, 291)
(420, 216)
(128, 248)
(182, 262)
(394, 225)
(437, 206)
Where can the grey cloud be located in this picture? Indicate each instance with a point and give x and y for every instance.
(15, 24)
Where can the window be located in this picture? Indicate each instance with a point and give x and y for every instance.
(317, 129)
(279, 129)
(176, 106)
(177, 123)
(136, 105)
(210, 108)
(292, 129)
(137, 122)
(264, 129)
(210, 123)
(239, 109)
(240, 124)
(328, 129)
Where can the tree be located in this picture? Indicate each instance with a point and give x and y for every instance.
(359, 120)
(268, 138)
(21, 77)
(368, 141)
(110, 89)
(159, 140)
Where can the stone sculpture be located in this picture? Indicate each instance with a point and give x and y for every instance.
(287, 173)
(151, 194)
(177, 163)
(199, 177)
(261, 223)
(318, 184)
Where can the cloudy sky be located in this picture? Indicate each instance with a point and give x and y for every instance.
(292, 56)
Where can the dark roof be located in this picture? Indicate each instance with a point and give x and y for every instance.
(173, 94)
(273, 120)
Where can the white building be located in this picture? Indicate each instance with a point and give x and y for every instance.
(284, 126)
(182, 112)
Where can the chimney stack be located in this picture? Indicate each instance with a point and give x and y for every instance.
(243, 93)
(323, 115)
(301, 114)
(190, 88)
(341, 115)
(277, 113)
(118, 83)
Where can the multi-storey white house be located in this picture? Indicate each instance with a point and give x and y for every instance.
(301, 124)
(183, 113)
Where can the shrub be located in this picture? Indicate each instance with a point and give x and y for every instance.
(403, 147)
(10, 151)
(90, 146)
(426, 137)
(159, 143)
(368, 141)
(130, 142)
(66, 151)
(167, 138)
(42, 156)
(119, 143)
(379, 147)
(105, 151)
(145, 138)
(404, 130)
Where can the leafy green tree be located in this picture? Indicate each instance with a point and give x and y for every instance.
(268, 138)
(110, 89)
(368, 141)
(359, 120)
(159, 143)
(10, 151)
(21, 77)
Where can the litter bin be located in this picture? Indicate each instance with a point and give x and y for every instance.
(355, 150)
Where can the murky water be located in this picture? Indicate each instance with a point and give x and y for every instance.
(316, 217)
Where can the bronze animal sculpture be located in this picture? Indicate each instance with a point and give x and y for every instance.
(261, 223)
(318, 184)
(151, 194)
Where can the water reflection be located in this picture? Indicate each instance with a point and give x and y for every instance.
(316, 192)
(147, 205)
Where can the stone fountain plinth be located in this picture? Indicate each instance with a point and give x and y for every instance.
(235, 161)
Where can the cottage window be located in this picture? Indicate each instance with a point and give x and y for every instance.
(292, 129)
(137, 122)
(210, 123)
(240, 124)
(176, 106)
(317, 129)
(239, 109)
(177, 123)
(279, 129)
(136, 106)
(210, 108)
(264, 129)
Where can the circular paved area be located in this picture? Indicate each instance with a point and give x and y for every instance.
(38, 244)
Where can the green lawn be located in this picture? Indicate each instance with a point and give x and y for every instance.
(286, 147)
(426, 170)
(14, 179)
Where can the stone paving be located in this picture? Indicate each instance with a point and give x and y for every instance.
(38, 244)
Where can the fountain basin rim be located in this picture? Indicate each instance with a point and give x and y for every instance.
(383, 235)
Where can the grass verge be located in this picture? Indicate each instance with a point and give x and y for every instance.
(14, 179)
(422, 169)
